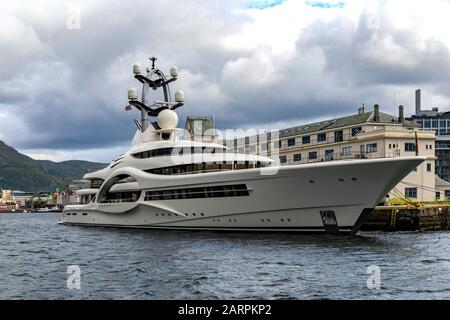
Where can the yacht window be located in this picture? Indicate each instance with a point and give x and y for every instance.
(119, 197)
(105, 196)
(239, 190)
(176, 151)
(127, 179)
(204, 168)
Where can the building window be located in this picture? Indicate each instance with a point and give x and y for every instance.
(427, 123)
(252, 149)
(447, 194)
(298, 157)
(276, 145)
(312, 155)
(411, 192)
(263, 147)
(438, 195)
(306, 139)
(291, 142)
(410, 147)
(371, 148)
(338, 136)
(347, 151)
(279, 144)
(431, 147)
(442, 123)
(429, 167)
(321, 137)
(434, 123)
(283, 159)
(355, 131)
(329, 154)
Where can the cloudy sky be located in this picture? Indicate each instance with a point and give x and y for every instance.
(65, 66)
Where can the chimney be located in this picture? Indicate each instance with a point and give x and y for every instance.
(376, 113)
(401, 114)
(418, 102)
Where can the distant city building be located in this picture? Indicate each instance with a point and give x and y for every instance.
(363, 135)
(439, 122)
(7, 195)
(22, 198)
(72, 197)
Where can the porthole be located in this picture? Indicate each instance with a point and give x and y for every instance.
(311, 181)
(282, 220)
(156, 214)
(268, 220)
(289, 220)
(162, 214)
(229, 220)
(186, 214)
(193, 214)
(262, 220)
(341, 180)
(202, 214)
(169, 214)
(354, 179)
(234, 220)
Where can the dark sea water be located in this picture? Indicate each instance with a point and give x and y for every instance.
(142, 264)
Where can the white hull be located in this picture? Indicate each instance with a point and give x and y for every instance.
(292, 200)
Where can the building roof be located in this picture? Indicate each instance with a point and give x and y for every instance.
(356, 119)
(438, 115)
(441, 182)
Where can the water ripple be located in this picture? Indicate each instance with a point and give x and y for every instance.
(140, 264)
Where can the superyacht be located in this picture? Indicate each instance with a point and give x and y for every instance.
(165, 181)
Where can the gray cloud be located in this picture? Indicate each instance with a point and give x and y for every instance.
(66, 89)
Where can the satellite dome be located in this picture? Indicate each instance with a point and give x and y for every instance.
(167, 119)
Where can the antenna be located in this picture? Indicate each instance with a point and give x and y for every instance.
(394, 100)
(153, 60)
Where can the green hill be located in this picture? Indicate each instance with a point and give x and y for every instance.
(20, 172)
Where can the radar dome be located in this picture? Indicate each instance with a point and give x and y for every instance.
(179, 96)
(136, 69)
(132, 93)
(167, 119)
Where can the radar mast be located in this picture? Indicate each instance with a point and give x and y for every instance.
(154, 79)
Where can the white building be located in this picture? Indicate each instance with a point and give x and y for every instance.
(364, 135)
